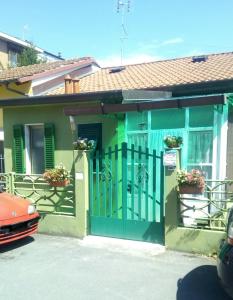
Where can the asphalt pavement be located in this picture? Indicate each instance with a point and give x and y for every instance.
(56, 268)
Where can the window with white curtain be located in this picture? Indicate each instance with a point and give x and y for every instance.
(200, 122)
(200, 127)
(200, 151)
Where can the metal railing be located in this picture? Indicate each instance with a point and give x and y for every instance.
(48, 199)
(209, 210)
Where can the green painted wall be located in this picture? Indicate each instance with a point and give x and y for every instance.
(77, 225)
(53, 224)
(55, 114)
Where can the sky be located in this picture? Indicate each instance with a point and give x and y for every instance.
(155, 29)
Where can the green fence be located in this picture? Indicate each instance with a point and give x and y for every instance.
(49, 200)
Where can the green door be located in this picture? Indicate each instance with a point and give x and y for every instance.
(126, 194)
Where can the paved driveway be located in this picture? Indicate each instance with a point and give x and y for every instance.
(46, 267)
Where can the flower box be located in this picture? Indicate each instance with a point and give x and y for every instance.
(191, 189)
(192, 182)
(84, 144)
(60, 183)
(173, 142)
(57, 176)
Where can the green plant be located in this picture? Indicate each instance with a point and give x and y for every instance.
(84, 144)
(29, 56)
(173, 141)
(58, 174)
(192, 178)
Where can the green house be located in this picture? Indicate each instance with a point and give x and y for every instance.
(126, 182)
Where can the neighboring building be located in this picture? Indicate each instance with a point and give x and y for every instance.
(39, 79)
(11, 47)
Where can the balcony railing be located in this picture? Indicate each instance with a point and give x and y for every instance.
(207, 211)
(49, 200)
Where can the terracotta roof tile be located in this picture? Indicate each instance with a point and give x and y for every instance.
(159, 74)
(15, 74)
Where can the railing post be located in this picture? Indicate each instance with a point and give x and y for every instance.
(162, 208)
(171, 201)
(124, 180)
(81, 191)
(11, 182)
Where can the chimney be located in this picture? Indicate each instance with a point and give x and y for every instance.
(68, 85)
(76, 86)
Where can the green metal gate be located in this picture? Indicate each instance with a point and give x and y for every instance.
(126, 194)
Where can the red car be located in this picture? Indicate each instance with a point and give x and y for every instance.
(18, 218)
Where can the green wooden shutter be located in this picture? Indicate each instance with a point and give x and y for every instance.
(18, 148)
(49, 145)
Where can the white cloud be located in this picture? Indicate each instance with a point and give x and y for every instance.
(144, 53)
(173, 41)
(155, 44)
(134, 58)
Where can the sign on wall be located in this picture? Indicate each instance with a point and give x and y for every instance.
(169, 158)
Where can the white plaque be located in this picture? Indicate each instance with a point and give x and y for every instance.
(79, 176)
(169, 158)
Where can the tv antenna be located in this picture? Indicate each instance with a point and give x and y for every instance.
(123, 6)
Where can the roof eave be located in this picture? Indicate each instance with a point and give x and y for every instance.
(105, 108)
(77, 65)
(109, 96)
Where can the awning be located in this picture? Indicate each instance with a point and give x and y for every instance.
(105, 108)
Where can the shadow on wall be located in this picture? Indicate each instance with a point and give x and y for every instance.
(201, 283)
(172, 210)
(173, 219)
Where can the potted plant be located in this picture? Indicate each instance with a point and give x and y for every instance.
(84, 144)
(192, 182)
(58, 176)
(173, 141)
(193, 203)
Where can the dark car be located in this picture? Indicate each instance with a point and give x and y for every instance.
(225, 258)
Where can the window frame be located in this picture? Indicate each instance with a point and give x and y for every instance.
(28, 164)
(12, 58)
(219, 143)
(189, 129)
